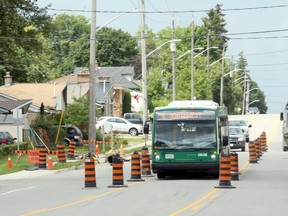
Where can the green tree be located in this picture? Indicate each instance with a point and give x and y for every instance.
(70, 42)
(77, 114)
(214, 25)
(21, 22)
(115, 47)
(126, 107)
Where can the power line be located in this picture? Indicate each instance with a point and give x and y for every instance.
(170, 11)
(258, 32)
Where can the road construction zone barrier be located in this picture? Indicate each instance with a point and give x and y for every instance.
(61, 153)
(257, 146)
(95, 142)
(252, 153)
(71, 150)
(9, 162)
(135, 168)
(90, 173)
(51, 152)
(21, 152)
(42, 157)
(263, 142)
(146, 167)
(234, 166)
(225, 173)
(117, 173)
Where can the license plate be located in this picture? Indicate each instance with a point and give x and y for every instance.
(169, 156)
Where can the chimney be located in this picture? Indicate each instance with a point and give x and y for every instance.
(83, 76)
(8, 79)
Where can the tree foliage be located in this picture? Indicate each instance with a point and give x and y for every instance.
(38, 48)
(115, 47)
(21, 23)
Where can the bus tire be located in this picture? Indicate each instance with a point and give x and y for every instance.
(161, 175)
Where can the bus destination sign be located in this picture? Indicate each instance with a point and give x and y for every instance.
(185, 114)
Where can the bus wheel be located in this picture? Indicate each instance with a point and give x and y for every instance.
(161, 175)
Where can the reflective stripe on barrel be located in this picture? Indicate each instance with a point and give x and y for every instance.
(252, 153)
(225, 172)
(61, 154)
(90, 174)
(135, 167)
(42, 157)
(117, 172)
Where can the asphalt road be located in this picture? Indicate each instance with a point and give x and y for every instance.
(261, 190)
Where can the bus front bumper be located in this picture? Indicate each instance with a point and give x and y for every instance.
(172, 167)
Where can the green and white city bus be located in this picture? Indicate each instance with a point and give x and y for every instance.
(189, 136)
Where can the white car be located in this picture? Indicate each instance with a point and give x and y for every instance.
(243, 124)
(119, 125)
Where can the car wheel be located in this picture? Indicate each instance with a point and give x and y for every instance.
(133, 132)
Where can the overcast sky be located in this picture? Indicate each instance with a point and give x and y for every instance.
(266, 53)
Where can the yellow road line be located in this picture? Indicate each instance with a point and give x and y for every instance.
(84, 199)
(193, 205)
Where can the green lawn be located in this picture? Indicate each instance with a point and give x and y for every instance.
(22, 163)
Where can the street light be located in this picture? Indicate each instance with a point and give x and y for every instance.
(253, 102)
(246, 99)
(170, 41)
(189, 51)
(222, 83)
(205, 51)
(225, 57)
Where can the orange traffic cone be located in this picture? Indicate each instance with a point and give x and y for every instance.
(9, 165)
(121, 152)
(97, 150)
(50, 163)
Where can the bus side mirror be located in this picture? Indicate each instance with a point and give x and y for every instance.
(146, 127)
(225, 140)
(281, 116)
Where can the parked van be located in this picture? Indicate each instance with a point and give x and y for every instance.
(134, 118)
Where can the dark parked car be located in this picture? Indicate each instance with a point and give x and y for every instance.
(72, 133)
(6, 138)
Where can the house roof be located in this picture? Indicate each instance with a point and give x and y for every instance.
(8, 106)
(38, 92)
(119, 76)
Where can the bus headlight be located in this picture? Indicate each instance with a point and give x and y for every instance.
(157, 157)
(213, 157)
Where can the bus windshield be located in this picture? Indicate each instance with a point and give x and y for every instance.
(185, 134)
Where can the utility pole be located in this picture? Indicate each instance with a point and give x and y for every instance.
(208, 53)
(173, 52)
(92, 68)
(192, 60)
(144, 67)
(244, 93)
(222, 77)
(247, 97)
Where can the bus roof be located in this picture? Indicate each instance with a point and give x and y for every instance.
(195, 103)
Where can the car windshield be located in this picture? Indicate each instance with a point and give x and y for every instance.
(237, 123)
(181, 134)
(235, 131)
(253, 109)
